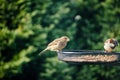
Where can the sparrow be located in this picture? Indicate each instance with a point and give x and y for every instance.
(110, 44)
(57, 44)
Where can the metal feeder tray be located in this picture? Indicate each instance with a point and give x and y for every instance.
(89, 57)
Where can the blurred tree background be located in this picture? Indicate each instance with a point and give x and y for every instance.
(27, 26)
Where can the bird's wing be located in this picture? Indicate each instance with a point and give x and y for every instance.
(55, 42)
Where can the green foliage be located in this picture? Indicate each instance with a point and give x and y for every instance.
(27, 26)
(98, 72)
(56, 70)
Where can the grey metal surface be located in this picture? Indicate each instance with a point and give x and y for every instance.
(89, 57)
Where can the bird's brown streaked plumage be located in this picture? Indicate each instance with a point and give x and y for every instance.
(110, 44)
(57, 44)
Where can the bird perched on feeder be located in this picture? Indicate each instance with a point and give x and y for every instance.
(57, 44)
(110, 44)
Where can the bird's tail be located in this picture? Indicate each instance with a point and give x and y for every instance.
(42, 51)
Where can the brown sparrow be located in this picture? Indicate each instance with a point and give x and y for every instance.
(57, 44)
(110, 44)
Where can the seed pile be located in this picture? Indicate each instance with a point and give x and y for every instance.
(92, 58)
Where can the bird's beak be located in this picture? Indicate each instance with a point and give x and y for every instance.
(116, 43)
(68, 39)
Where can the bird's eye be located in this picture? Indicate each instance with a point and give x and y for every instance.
(65, 38)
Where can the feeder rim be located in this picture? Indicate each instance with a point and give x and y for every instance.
(87, 52)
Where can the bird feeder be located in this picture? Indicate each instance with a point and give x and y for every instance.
(89, 57)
